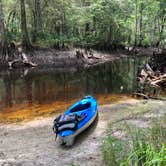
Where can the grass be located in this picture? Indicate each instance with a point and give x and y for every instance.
(141, 147)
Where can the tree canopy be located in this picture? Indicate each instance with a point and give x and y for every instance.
(89, 23)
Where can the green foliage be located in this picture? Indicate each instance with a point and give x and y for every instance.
(94, 23)
(143, 147)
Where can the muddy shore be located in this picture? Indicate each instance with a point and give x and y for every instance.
(49, 57)
(69, 58)
(32, 143)
(77, 58)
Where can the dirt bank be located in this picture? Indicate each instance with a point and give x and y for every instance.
(32, 143)
(71, 58)
(47, 57)
(75, 57)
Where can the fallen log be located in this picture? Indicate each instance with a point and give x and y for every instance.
(18, 63)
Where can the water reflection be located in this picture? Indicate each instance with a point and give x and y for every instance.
(28, 87)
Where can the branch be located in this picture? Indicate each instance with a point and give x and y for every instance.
(141, 95)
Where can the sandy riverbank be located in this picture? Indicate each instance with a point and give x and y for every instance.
(32, 143)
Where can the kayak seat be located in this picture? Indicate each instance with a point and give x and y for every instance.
(81, 107)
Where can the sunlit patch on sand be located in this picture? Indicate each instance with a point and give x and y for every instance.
(26, 112)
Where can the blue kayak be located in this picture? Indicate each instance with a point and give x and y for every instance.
(75, 119)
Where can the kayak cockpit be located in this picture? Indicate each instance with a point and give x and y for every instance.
(80, 107)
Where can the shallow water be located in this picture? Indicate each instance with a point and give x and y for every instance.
(29, 93)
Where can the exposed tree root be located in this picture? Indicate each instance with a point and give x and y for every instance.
(18, 58)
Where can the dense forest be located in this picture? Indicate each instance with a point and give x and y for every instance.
(103, 24)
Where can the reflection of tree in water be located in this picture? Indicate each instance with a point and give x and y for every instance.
(13, 82)
(8, 90)
(116, 77)
(28, 89)
(110, 77)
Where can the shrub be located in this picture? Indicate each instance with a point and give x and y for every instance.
(142, 148)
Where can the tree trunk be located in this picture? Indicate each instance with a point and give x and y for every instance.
(140, 25)
(136, 22)
(37, 20)
(3, 37)
(161, 32)
(38, 15)
(25, 38)
(63, 19)
(10, 20)
(154, 32)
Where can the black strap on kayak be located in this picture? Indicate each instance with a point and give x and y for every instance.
(55, 131)
(66, 122)
(55, 128)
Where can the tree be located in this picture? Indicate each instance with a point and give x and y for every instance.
(136, 22)
(140, 23)
(3, 37)
(162, 19)
(25, 38)
(36, 14)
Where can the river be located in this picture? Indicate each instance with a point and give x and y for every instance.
(29, 93)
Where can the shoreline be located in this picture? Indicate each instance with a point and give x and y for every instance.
(76, 57)
(32, 143)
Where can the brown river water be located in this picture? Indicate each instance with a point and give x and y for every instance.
(29, 93)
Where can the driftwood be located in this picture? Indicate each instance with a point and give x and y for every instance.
(155, 79)
(21, 60)
(161, 80)
(151, 79)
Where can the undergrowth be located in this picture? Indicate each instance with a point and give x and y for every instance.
(140, 147)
